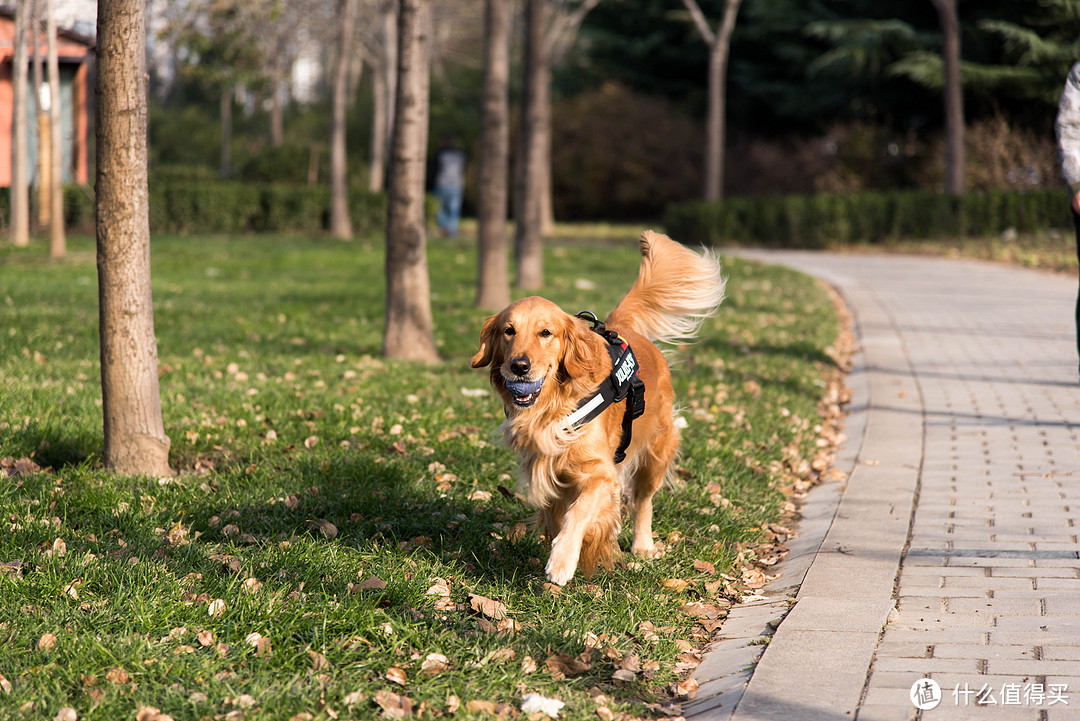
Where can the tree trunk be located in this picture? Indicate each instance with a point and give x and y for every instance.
(408, 332)
(19, 228)
(544, 187)
(954, 97)
(340, 225)
(57, 238)
(379, 136)
(390, 64)
(226, 131)
(37, 60)
(528, 238)
(493, 287)
(277, 121)
(135, 440)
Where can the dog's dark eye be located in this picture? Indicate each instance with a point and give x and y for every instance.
(509, 331)
(545, 333)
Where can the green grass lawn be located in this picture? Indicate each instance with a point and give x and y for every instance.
(337, 520)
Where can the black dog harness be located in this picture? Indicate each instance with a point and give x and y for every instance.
(624, 382)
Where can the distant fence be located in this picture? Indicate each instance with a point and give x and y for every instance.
(820, 221)
(222, 206)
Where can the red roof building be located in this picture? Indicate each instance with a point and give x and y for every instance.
(75, 53)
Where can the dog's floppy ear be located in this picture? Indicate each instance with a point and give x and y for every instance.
(487, 344)
(578, 352)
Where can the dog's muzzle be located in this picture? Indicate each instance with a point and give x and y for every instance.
(524, 392)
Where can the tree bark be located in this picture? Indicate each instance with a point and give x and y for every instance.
(340, 224)
(135, 440)
(493, 286)
(19, 228)
(379, 136)
(408, 331)
(44, 145)
(277, 111)
(955, 161)
(57, 238)
(528, 237)
(390, 64)
(226, 131)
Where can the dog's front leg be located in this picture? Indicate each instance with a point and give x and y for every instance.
(592, 520)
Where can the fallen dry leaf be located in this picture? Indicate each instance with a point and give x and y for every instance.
(46, 642)
(675, 584)
(117, 675)
(439, 587)
(700, 610)
(478, 706)
(243, 701)
(704, 567)
(147, 713)
(393, 705)
(324, 527)
(648, 631)
(435, 663)
(318, 661)
(216, 607)
(260, 643)
(630, 663)
(528, 665)
(373, 582)
(622, 675)
(66, 714)
(353, 698)
(502, 655)
(12, 567)
(559, 665)
(396, 675)
(5, 685)
(687, 687)
(488, 607)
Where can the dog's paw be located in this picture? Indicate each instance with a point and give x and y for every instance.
(560, 568)
(559, 575)
(651, 550)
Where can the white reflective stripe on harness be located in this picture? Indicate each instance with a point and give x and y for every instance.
(580, 413)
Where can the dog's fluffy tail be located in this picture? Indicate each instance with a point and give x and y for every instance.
(675, 291)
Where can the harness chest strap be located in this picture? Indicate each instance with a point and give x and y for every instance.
(624, 382)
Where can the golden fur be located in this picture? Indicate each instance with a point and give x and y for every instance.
(569, 475)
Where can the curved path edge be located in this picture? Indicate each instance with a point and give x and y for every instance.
(839, 576)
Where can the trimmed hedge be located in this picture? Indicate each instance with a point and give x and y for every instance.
(220, 206)
(819, 221)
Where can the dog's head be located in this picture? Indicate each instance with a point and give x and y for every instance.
(531, 346)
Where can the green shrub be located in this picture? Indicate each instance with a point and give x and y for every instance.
(818, 221)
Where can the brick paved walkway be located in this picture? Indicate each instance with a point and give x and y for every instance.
(954, 552)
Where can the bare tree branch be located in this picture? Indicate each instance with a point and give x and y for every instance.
(702, 24)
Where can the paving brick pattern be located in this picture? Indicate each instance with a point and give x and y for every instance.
(973, 371)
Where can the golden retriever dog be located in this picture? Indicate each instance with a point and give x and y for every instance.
(546, 362)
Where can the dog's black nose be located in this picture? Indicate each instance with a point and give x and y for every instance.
(520, 365)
